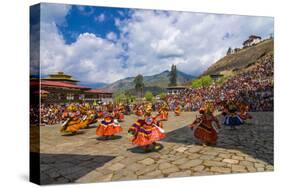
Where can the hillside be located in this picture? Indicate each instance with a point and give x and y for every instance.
(241, 59)
(160, 80)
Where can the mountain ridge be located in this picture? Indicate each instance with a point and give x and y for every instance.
(160, 80)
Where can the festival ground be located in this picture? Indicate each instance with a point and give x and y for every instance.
(86, 158)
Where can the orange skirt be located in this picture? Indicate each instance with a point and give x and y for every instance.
(108, 130)
(142, 139)
(206, 135)
(163, 116)
(72, 126)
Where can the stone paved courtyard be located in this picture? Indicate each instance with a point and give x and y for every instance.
(86, 158)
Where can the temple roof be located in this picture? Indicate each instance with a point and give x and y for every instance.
(60, 76)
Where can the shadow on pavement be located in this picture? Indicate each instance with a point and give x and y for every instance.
(73, 134)
(64, 168)
(254, 138)
(115, 137)
(140, 150)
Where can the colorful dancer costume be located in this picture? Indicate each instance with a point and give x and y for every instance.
(178, 110)
(231, 118)
(88, 116)
(163, 113)
(108, 127)
(72, 123)
(139, 111)
(244, 112)
(147, 131)
(118, 113)
(203, 128)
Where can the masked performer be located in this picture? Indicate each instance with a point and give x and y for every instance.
(178, 110)
(147, 131)
(203, 127)
(163, 113)
(139, 111)
(118, 113)
(244, 112)
(72, 120)
(108, 127)
(231, 118)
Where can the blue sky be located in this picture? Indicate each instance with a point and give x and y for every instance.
(99, 44)
(98, 20)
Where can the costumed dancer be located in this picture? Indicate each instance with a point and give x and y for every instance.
(163, 113)
(108, 127)
(231, 118)
(244, 112)
(147, 131)
(205, 127)
(178, 110)
(139, 111)
(127, 109)
(118, 113)
(109, 107)
(72, 122)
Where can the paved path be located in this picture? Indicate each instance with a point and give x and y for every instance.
(86, 158)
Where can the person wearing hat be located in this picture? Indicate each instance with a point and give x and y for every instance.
(203, 128)
(108, 127)
(232, 119)
(244, 112)
(146, 131)
(178, 110)
(163, 113)
(72, 122)
(118, 113)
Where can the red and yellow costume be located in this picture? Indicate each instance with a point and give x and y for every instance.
(89, 118)
(72, 123)
(244, 112)
(178, 110)
(100, 114)
(203, 128)
(108, 127)
(163, 113)
(139, 111)
(118, 114)
(146, 131)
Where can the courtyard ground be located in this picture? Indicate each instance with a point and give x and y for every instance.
(86, 158)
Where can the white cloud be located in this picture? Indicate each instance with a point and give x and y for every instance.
(111, 36)
(151, 41)
(193, 41)
(100, 18)
(89, 58)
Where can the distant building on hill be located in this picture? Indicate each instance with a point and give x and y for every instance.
(216, 77)
(252, 40)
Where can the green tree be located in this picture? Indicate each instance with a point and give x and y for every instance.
(139, 85)
(119, 97)
(162, 95)
(173, 76)
(148, 96)
(196, 83)
(206, 81)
